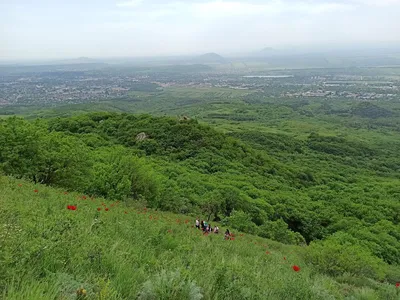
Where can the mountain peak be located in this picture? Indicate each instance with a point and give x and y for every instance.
(210, 57)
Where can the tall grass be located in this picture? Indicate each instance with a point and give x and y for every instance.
(49, 252)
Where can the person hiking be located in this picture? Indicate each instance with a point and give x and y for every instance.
(205, 226)
(197, 223)
(216, 229)
(209, 228)
(227, 234)
(202, 225)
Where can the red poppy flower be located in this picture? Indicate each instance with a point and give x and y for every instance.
(397, 285)
(68, 206)
(232, 238)
(267, 252)
(169, 231)
(73, 207)
(106, 209)
(99, 209)
(19, 184)
(35, 191)
(126, 212)
(65, 193)
(84, 197)
(284, 258)
(296, 268)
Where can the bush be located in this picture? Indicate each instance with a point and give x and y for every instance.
(278, 231)
(171, 286)
(118, 175)
(241, 221)
(334, 256)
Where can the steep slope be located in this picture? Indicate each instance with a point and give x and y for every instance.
(182, 166)
(57, 244)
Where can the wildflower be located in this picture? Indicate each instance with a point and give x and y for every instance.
(232, 238)
(296, 268)
(397, 285)
(106, 209)
(284, 258)
(19, 184)
(71, 207)
(126, 212)
(81, 292)
(169, 231)
(35, 191)
(84, 197)
(99, 209)
(65, 193)
(267, 252)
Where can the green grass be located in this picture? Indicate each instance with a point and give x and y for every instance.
(48, 252)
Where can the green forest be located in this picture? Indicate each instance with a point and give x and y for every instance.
(337, 195)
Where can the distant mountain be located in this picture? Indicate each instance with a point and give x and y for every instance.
(210, 58)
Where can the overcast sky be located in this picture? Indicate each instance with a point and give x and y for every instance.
(110, 28)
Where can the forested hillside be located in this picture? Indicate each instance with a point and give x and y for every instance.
(340, 196)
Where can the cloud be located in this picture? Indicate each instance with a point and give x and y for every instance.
(131, 3)
(377, 2)
(154, 27)
(236, 8)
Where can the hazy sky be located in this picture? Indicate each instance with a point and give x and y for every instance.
(105, 28)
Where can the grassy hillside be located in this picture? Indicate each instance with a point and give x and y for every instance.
(115, 251)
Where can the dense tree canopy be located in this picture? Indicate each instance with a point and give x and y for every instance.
(276, 186)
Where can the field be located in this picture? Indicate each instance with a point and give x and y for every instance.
(50, 252)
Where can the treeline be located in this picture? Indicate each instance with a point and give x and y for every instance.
(267, 185)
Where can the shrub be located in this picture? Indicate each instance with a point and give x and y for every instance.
(334, 256)
(170, 285)
(278, 231)
(241, 221)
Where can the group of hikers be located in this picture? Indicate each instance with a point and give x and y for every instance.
(206, 228)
